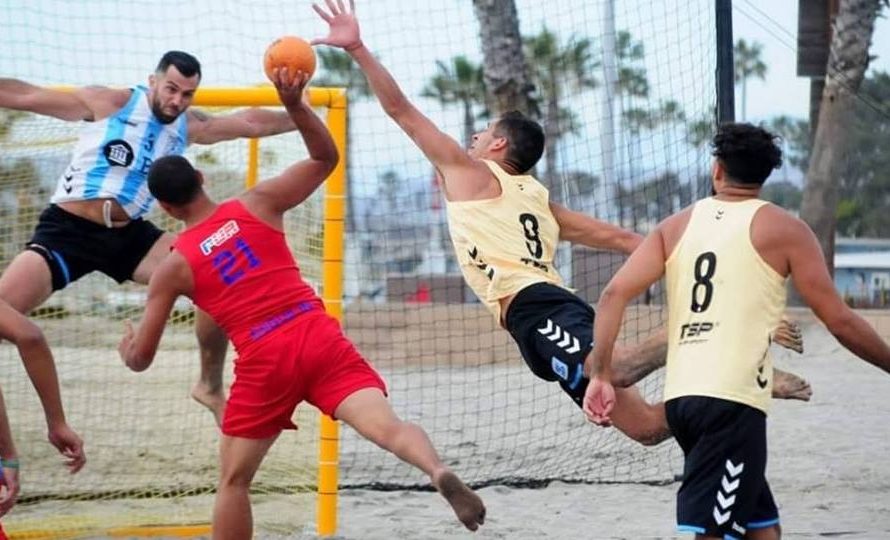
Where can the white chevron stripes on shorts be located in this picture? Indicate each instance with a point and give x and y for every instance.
(566, 341)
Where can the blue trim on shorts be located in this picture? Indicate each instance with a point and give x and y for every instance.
(62, 265)
(763, 524)
(578, 374)
(691, 529)
(731, 537)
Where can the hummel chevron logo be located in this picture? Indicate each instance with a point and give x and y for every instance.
(761, 382)
(554, 332)
(726, 498)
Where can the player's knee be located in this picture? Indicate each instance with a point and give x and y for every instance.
(27, 335)
(652, 437)
(235, 478)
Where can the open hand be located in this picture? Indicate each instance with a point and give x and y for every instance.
(344, 32)
(599, 399)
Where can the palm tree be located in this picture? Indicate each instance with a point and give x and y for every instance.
(747, 64)
(698, 135)
(632, 89)
(557, 69)
(848, 60)
(338, 69)
(505, 68)
(460, 82)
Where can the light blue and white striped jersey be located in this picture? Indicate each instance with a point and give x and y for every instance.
(112, 156)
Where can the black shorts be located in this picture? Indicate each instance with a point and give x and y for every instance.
(73, 246)
(724, 490)
(554, 331)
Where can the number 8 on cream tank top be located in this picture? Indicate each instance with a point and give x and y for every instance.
(724, 302)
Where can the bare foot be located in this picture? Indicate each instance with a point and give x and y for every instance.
(214, 401)
(788, 335)
(466, 504)
(790, 386)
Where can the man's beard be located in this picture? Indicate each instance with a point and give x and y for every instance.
(161, 115)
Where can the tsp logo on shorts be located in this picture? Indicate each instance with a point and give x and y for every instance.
(118, 152)
(219, 237)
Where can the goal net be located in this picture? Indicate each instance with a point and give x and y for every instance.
(629, 152)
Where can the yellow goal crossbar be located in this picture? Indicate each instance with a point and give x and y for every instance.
(334, 100)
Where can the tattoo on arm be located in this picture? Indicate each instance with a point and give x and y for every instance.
(200, 115)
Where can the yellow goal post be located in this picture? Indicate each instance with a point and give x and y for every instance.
(334, 100)
(334, 214)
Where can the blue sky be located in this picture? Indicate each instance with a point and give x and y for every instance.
(114, 42)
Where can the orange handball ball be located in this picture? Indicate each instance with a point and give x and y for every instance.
(291, 52)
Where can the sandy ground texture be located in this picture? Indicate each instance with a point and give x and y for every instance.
(827, 459)
(828, 469)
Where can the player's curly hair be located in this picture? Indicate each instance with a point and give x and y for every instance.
(748, 153)
(173, 180)
(525, 140)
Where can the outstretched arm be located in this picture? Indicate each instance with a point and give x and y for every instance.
(172, 278)
(643, 268)
(272, 197)
(442, 150)
(579, 228)
(41, 368)
(78, 104)
(810, 276)
(253, 123)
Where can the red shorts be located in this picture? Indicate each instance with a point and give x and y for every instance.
(308, 359)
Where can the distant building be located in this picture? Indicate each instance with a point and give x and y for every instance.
(862, 271)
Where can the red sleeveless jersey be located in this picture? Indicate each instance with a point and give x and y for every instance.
(244, 274)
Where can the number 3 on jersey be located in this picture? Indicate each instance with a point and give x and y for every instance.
(703, 290)
(230, 266)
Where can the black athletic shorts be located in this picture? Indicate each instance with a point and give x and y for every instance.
(73, 246)
(554, 331)
(724, 490)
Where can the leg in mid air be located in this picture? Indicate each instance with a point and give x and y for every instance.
(632, 364)
(635, 417)
(212, 341)
(27, 282)
(371, 415)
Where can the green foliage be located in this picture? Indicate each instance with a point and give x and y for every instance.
(783, 193)
(865, 181)
(795, 135)
(866, 178)
(338, 69)
(747, 61)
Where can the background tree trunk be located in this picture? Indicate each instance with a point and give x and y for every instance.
(847, 62)
(504, 67)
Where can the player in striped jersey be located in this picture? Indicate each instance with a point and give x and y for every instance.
(95, 218)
